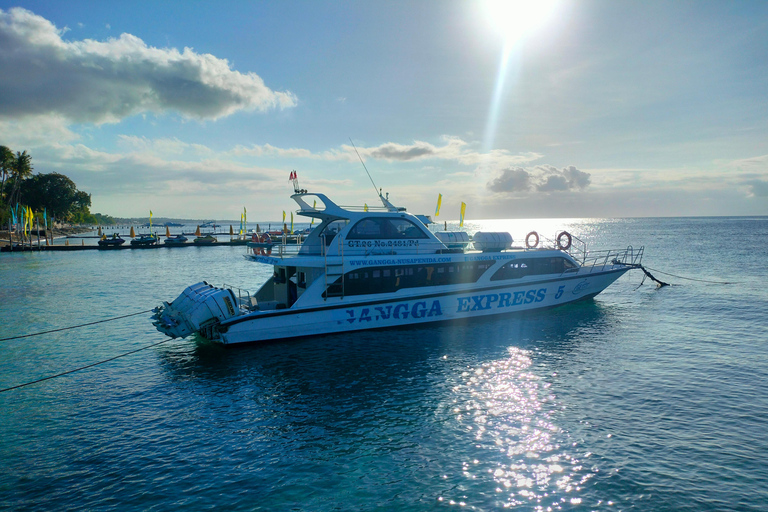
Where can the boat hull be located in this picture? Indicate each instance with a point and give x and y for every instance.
(341, 315)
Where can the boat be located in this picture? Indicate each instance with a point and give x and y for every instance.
(175, 240)
(368, 268)
(144, 240)
(113, 241)
(204, 240)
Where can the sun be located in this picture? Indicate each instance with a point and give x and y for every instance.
(514, 19)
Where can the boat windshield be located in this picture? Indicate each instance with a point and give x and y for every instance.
(332, 229)
(385, 228)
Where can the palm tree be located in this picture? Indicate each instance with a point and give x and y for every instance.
(21, 170)
(6, 166)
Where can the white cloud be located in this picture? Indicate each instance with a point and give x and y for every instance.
(41, 74)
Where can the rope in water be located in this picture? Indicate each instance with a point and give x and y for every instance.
(85, 367)
(648, 274)
(693, 279)
(74, 326)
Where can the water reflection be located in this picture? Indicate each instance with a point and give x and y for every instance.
(508, 410)
(395, 402)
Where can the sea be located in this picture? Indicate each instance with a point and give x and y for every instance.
(643, 398)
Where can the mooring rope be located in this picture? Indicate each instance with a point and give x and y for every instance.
(694, 279)
(74, 326)
(86, 366)
(659, 283)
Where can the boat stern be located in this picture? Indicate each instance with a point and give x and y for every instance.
(199, 308)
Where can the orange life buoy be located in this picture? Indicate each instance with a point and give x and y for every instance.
(528, 243)
(265, 239)
(255, 237)
(568, 238)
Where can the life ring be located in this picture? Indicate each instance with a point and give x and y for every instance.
(255, 237)
(568, 238)
(528, 243)
(266, 239)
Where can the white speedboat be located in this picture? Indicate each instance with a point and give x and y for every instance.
(367, 268)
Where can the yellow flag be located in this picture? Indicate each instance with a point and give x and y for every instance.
(283, 216)
(439, 200)
(365, 208)
(463, 210)
(291, 222)
(314, 205)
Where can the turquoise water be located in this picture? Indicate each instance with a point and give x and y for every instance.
(641, 399)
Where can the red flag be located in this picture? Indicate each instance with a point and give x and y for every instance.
(292, 176)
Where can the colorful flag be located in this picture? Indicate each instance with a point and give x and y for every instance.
(463, 210)
(314, 206)
(283, 216)
(45, 218)
(365, 208)
(439, 200)
(291, 222)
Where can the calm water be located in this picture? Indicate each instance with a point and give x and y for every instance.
(641, 399)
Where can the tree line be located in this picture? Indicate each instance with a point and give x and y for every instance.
(53, 193)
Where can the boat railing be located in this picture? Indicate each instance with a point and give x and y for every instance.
(597, 261)
(243, 296)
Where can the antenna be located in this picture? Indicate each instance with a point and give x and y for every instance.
(366, 169)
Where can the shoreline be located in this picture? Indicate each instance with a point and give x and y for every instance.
(57, 233)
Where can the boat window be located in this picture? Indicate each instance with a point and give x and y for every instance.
(332, 229)
(392, 278)
(385, 228)
(516, 269)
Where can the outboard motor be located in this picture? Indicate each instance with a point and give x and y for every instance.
(200, 305)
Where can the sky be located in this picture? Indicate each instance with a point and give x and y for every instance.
(546, 109)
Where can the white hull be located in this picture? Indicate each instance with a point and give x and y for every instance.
(343, 315)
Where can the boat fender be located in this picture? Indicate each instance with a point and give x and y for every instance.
(568, 240)
(535, 243)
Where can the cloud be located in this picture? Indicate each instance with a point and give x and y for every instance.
(105, 81)
(511, 180)
(758, 188)
(542, 178)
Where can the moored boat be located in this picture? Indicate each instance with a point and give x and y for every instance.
(144, 240)
(364, 268)
(175, 240)
(110, 242)
(204, 240)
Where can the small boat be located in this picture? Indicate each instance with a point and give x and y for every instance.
(371, 269)
(204, 240)
(144, 241)
(113, 241)
(175, 240)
